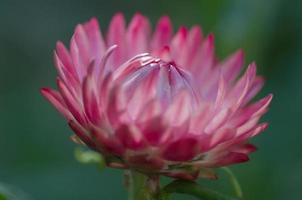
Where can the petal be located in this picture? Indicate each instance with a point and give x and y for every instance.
(90, 101)
(162, 34)
(138, 35)
(218, 120)
(153, 130)
(245, 148)
(116, 36)
(67, 76)
(178, 43)
(202, 65)
(254, 89)
(96, 41)
(80, 51)
(230, 158)
(193, 45)
(65, 58)
(81, 133)
(232, 65)
(55, 98)
(72, 104)
(183, 149)
(130, 137)
(106, 142)
(240, 90)
(254, 110)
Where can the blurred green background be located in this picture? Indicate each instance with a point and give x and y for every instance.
(36, 155)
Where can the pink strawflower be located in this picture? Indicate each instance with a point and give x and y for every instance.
(157, 102)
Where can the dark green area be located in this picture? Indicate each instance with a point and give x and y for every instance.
(36, 155)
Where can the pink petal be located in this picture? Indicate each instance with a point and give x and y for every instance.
(183, 149)
(130, 137)
(153, 130)
(231, 158)
(232, 65)
(67, 76)
(201, 67)
(254, 89)
(245, 148)
(80, 51)
(116, 36)
(240, 90)
(178, 43)
(218, 120)
(251, 133)
(253, 110)
(193, 44)
(96, 42)
(138, 35)
(65, 58)
(81, 133)
(90, 101)
(72, 104)
(162, 34)
(222, 136)
(106, 142)
(57, 101)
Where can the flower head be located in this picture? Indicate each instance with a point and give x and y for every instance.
(157, 102)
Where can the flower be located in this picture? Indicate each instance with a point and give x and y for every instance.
(158, 103)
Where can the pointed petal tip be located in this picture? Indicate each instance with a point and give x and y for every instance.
(164, 23)
(240, 54)
(118, 15)
(211, 37)
(251, 148)
(60, 46)
(59, 82)
(45, 91)
(197, 30)
(94, 20)
(269, 98)
(165, 19)
(263, 126)
(253, 65)
(138, 14)
(243, 158)
(251, 69)
(183, 30)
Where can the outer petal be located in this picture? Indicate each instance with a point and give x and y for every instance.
(90, 101)
(57, 101)
(81, 133)
(96, 42)
(130, 136)
(192, 47)
(138, 35)
(116, 36)
(162, 34)
(183, 149)
(178, 44)
(232, 66)
(72, 103)
(65, 58)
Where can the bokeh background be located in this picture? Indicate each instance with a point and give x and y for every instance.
(36, 155)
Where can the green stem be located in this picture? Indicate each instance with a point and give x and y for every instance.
(234, 181)
(191, 188)
(141, 187)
